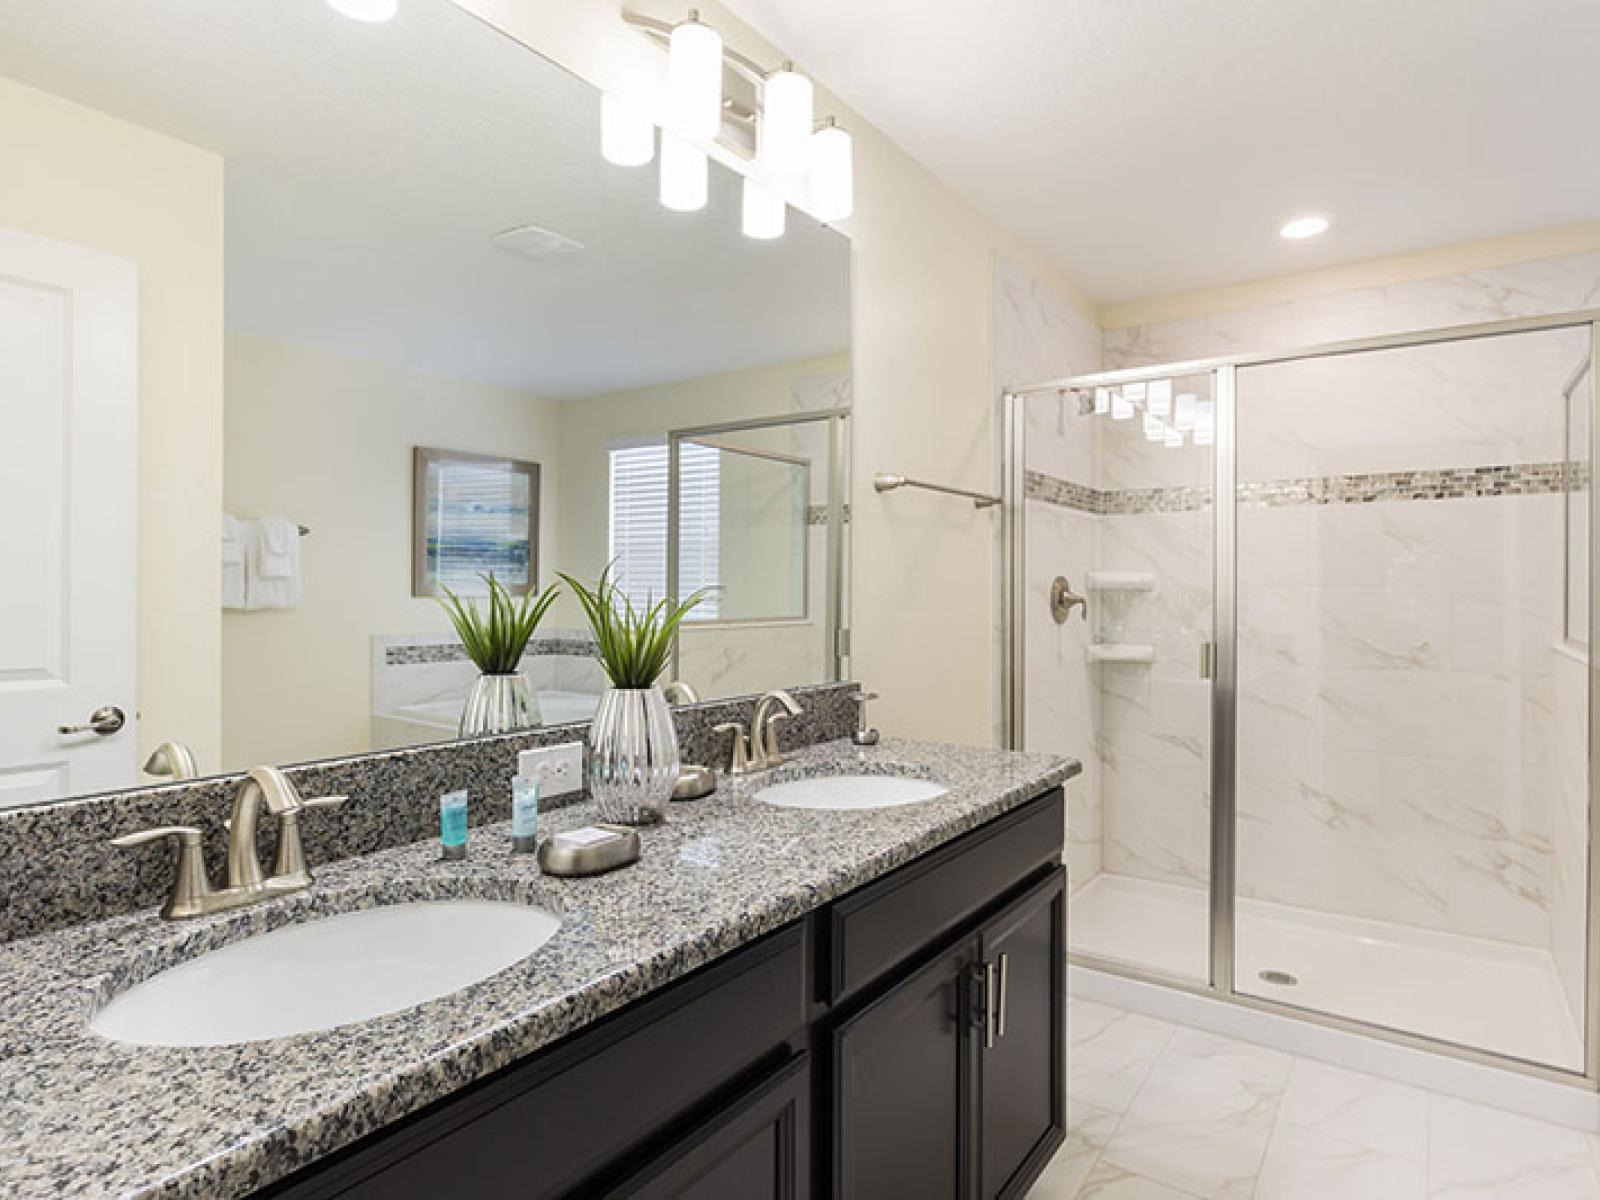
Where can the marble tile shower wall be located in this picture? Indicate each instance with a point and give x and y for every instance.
(1039, 335)
(1407, 722)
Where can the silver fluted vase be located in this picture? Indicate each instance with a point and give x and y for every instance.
(499, 704)
(633, 756)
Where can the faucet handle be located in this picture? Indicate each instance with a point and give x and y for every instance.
(289, 870)
(190, 883)
(740, 763)
(863, 735)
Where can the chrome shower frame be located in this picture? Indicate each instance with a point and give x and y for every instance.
(1221, 984)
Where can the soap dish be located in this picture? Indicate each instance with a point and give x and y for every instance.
(588, 851)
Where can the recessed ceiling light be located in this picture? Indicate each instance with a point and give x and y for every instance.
(366, 10)
(1303, 227)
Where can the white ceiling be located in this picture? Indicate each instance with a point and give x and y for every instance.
(1155, 146)
(367, 167)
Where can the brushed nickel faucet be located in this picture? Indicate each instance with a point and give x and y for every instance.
(764, 749)
(679, 692)
(739, 756)
(192, 894)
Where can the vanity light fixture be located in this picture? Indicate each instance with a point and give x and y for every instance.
(627, 135)
(371, 11)
(1121, 406)
(788, 106)
(805, 161)
(1158, 397)
(761, 211)
(1300, 228)
(694, 79)
(1102, 401)
(833, 182)
(684, 174)
(1183, 415)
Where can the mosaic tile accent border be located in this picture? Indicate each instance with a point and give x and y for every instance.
(817, 514)
(443, 652)
(1449, 483)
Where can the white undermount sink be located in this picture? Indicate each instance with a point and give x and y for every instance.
(850, 792)
(325, 973)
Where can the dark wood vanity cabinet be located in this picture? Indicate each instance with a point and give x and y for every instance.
(953, 1082)
(906, 1040)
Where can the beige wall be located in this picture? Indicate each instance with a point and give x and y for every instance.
(925, 398)
(719, 660)
(79, 176)
(589, 427)
(327, 441)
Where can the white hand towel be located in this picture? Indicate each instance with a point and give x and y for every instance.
(233, 535)
(280, 547)
(269, 591)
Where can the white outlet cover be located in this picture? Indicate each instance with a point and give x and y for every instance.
(559, 768)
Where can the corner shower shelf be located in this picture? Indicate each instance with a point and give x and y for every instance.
(1120, 652)
(1121, 581)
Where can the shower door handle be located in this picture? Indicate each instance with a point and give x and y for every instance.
(1208, 660)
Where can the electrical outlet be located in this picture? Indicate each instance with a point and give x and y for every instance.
(559, 768)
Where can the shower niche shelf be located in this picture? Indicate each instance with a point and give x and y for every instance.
(1121, 581)
(1120, 652)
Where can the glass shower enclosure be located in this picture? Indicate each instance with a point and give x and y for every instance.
(1337, 727)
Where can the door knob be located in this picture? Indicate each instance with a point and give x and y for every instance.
(104, 721)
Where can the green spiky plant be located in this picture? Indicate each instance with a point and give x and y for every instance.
(634, 643)
(497, 635)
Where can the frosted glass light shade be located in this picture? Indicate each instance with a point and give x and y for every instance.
(1205, 423)
(1121, 406)
(684, 175)
(1183, 415)
(694, 80)
(833, 184)
(762, 212)
(627, 136)
(1155, 429)
(788, 104)
(1158, 397)
(1102, 401)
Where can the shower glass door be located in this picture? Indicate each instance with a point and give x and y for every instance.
(1118, 513)
(1411, 785)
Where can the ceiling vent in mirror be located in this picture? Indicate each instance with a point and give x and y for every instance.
(536, 242)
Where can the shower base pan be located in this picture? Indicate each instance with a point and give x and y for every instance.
(1474, 992)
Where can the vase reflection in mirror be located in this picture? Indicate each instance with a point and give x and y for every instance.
(499, 704)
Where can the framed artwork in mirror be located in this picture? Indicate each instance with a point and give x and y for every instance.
(472, 515)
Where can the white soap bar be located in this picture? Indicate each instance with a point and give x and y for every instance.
(589, 836)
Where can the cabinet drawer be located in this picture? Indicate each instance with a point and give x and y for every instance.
(756, 1148)
(541, 1129)
(882, 924)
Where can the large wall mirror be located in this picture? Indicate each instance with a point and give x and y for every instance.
(258, 261)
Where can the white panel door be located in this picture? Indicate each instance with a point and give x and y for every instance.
(69, 438)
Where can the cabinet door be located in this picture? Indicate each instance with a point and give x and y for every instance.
(757, 1148)
(1022, 1074)
(902, 1081)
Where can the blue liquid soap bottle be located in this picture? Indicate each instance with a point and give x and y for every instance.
(524, 813)
(453, 825)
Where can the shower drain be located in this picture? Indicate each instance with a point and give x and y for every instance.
(1281, 978)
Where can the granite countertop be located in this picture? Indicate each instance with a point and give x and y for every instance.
(89, 1117)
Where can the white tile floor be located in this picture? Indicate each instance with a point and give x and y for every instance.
(1468, 990)
(1161, 1112)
